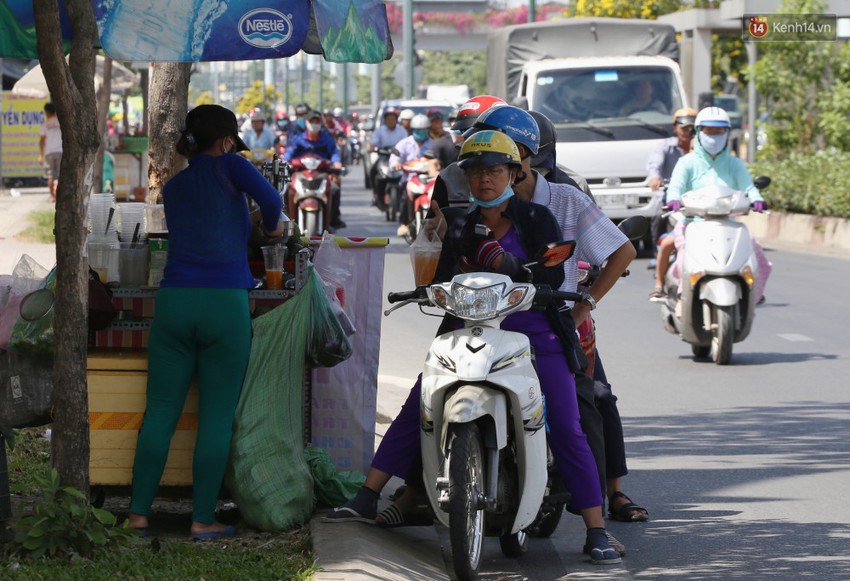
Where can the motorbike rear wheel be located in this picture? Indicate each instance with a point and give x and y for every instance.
(722, 335)
(466, 514)
(392, 201)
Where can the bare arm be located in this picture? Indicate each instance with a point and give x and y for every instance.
(614, 267)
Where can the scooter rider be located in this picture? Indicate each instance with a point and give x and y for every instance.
(659, 167)
(405, 118)
(317, 139)
(387, 135)
(711, 164)
(414, 146)
(299, 124)
(451, 187)
(259, 136)
(492, 161)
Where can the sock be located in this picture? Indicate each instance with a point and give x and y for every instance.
(365, 502)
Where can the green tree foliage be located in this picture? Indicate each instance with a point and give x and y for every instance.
(456, 68)
(806, 86)
(259, 97)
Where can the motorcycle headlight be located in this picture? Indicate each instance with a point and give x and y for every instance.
(476, 304)
(311, 163)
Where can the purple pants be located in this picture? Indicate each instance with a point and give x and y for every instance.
(400, 445)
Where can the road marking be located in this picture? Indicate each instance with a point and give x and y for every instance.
(794, 337)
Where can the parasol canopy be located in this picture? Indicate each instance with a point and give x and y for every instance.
(32, 84)
(217, 30)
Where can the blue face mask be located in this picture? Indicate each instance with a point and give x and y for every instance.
(506, 195)
(420, 135)
(302, 123)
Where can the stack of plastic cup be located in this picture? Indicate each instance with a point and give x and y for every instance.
(132, 216)
(102, 244)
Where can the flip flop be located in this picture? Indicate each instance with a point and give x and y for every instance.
(392, 517)
(229, 531)
(346, 514)
(623, 513)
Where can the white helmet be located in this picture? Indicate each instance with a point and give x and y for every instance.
(420, 122)
(407, 114)
(713, 117)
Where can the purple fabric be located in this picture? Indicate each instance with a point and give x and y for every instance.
(400, 445)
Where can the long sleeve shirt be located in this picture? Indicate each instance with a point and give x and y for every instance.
(697, 170)
(324, 146)
(208, 221)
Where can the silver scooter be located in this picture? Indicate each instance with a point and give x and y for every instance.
(719, 274)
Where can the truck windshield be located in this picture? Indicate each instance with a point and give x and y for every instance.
(608, 97)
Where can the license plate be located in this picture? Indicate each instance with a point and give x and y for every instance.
(612, 200)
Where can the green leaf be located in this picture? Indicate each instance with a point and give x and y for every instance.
(71, 491)
(104, 516)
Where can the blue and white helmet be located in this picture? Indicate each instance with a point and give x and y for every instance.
(713, 117)
(516, 123)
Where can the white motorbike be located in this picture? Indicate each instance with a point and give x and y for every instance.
(719, 274)
(483, 426)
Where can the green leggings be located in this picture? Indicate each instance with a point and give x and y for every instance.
(196, 331)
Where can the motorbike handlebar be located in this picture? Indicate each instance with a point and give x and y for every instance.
(419, 293)
(546, 295)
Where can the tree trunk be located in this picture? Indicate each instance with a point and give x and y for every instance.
(72, 89)
(103, 94)
(169, 95)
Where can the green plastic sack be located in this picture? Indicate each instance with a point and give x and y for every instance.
(331, 488)
(267, 474)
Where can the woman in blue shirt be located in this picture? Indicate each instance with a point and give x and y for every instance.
(202, 325)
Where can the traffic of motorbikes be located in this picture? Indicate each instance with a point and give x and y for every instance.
(486, 465)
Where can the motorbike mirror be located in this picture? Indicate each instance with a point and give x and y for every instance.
(395, 152)
(634, 227)
(761, 182)
(556, 253)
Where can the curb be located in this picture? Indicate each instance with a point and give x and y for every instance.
(825, 234)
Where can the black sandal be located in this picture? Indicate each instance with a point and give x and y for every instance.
(626, 512)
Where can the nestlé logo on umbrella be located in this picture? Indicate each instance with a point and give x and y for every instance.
(265, 28)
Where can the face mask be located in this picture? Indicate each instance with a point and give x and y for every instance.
(713, 144)
(507, 194)
(420, 135)
(314, 127)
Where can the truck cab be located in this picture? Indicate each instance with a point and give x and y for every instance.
(609, 114)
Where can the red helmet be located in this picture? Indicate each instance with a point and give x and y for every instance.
(469, 111)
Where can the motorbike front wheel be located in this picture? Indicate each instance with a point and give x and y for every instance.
(722, 335)
(311, 223)
(466, 514)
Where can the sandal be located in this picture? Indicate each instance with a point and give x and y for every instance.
(626, 512)
(392, 517)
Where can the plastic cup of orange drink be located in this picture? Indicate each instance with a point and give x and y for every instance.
(273, 257)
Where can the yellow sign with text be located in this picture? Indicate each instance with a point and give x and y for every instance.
(21, 119)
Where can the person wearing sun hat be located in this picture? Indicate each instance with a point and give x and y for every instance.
(202, 325)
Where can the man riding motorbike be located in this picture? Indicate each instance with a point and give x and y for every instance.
(259, 136)
(317, 139)
(660, 166)
(414, 146)
(387, 135)
(710, 163)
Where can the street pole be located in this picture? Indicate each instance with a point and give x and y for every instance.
(377, 95)
(408, 49)
(345, 88)
(532, 10)
(303, 74)
(752, 141)
(321, 84)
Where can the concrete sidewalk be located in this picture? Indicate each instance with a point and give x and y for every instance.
(13, 220)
